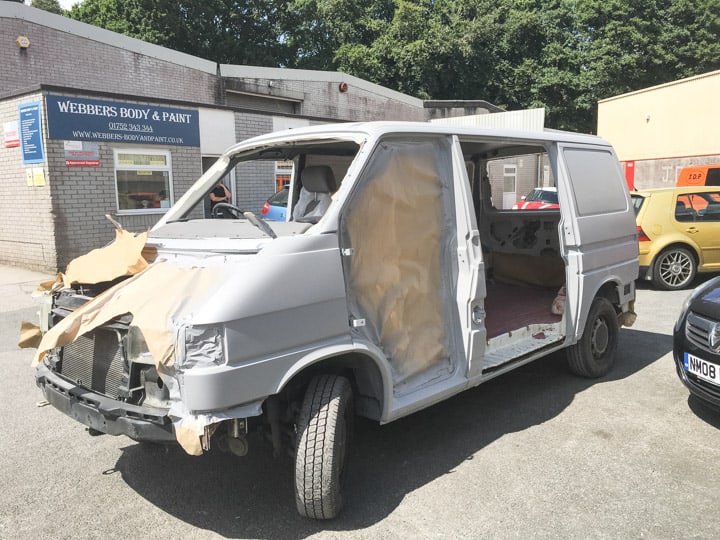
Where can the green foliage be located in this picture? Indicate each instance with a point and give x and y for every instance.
(563, 55)
(53, 6)
(226, 31)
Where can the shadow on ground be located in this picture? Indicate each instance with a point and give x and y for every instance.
(252, 497)
(704, 411)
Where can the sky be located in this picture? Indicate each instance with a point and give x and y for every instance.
(65, 4)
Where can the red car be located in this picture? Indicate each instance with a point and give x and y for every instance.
(545, 198)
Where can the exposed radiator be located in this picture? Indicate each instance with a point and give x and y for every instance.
(95, 361)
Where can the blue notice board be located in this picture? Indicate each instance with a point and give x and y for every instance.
(31, 141)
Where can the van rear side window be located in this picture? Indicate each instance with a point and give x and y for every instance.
(596, 181)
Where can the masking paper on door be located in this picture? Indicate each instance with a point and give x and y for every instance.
(395, 230)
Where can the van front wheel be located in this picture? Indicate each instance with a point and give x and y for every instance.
(594, 354)
(324, 429)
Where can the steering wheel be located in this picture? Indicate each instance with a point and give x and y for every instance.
(218, 211)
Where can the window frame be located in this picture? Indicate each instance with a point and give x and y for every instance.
(117, 166)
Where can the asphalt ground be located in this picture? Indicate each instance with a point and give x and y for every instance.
(535, 453)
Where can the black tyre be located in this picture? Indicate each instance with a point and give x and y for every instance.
(324, 429)
(594, 354)
(674, 269)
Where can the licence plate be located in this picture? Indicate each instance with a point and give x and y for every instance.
(707, 371)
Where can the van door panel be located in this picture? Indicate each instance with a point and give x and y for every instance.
(397, 230)
(470, 288)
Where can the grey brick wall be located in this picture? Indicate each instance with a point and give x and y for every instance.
(83, 195)
(255, 181)
(26, 212)
(63, 59)
(60, 58)
(526, 179)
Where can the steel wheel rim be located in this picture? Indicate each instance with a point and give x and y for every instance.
(675, 268)
(600, 338)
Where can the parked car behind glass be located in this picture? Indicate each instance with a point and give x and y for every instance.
(275, 208)
(678, 233)
(545, 198)
(696, 343)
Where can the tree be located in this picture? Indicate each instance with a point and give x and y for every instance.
(53, 6)
(314, 30)
(148, 20)
(226, 31)
(563, 55)
(693, 27)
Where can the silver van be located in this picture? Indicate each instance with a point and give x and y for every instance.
(394, 283)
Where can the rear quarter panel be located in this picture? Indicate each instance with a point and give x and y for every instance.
(598, 227)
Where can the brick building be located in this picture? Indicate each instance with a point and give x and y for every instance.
(97, 123)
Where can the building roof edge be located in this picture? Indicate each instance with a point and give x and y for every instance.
(12, 10)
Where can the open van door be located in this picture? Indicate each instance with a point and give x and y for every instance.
(470, 290)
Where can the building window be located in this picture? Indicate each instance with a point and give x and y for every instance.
(509, 178)
(509, 185)
(143, 180)
(283, 173)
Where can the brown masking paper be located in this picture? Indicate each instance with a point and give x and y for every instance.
(153, 298)
(395, 231)
(156, 298)
(30, 335)
(124, 256)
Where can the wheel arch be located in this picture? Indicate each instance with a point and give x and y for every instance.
(610, 291)
(614, 290)
(368, 373)
(691, 247)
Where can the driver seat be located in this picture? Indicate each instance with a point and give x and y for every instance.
(318, 182)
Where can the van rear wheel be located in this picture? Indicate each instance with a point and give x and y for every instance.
(594, 354)
(324, 429)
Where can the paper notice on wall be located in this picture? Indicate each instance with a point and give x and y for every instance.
(38, 174)
(35, 176)
(81, 154)
(11, 135)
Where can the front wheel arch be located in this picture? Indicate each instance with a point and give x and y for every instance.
(371, 378)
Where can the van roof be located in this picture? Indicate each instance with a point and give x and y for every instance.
(381, 128)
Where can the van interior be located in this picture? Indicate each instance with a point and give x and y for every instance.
(524, 267)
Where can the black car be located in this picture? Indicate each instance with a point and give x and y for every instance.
(696, 343)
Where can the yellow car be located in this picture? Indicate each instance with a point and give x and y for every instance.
(678, 233)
